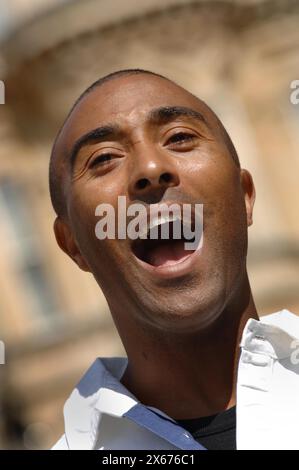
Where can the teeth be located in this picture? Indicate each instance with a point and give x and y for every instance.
(155, 222)
(166, 219)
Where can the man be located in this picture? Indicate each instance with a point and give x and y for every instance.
(181, 314)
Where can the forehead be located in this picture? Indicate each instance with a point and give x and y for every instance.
(127, 100)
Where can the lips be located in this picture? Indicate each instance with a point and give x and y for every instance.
(161, 248)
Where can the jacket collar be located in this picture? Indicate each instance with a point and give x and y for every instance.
(100, 390)
(275, 335)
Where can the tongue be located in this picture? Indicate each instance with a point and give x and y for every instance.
(168, 254)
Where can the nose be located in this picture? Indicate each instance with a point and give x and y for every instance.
(151, 175)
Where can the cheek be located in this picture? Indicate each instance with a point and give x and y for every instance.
(86, 196)
(84, 200)
(212, 180)
(215, 182)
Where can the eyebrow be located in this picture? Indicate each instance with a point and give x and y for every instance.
(166, 114)
(107, 132)
(158, 116)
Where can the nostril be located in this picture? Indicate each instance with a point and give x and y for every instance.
(165, 178)
(142, 183)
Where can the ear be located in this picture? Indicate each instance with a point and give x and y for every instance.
(249, 193)
(67, 243)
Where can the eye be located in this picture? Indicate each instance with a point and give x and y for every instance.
(101, 160)
(180, 138)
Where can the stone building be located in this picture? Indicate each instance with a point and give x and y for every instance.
(239, 56)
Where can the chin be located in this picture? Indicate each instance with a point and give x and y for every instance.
(181, 313)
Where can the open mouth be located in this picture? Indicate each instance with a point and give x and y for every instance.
(164, 244)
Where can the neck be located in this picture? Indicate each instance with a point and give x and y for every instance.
(191, 375)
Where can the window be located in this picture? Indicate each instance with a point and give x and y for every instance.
(24, 249)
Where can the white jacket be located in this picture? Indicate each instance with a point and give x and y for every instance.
(102, 414)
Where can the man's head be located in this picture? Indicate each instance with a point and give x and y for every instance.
(139, 135)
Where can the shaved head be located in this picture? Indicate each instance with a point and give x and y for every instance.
(60, 157)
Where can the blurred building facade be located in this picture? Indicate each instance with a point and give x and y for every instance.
(239, 56)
